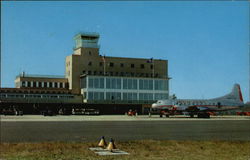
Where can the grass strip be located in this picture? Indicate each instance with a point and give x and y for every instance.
(139, 150)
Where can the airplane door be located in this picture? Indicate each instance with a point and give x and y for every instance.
(219, 105)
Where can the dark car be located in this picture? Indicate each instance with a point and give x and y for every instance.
(9, 112)
(48, 113)
(84, 111)
(91, 112)
(12, 112)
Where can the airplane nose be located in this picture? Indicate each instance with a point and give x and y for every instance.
(154, 105)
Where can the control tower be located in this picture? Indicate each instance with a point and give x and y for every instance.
(86, 40)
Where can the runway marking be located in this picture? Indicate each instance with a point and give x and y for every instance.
(104, 152)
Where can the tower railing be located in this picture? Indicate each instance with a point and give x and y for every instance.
(39, 76)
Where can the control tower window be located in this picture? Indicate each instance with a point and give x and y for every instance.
(23, 83)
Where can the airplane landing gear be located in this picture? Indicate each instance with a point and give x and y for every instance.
(191, 115)
(203, 115)
(164, 113)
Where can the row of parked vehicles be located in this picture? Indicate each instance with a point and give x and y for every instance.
(12, 112)
(78, 111)
(48, 112)
(84, 111)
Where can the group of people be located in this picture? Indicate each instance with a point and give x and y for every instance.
(132, 113)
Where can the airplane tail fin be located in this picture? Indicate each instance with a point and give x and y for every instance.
(235, 94)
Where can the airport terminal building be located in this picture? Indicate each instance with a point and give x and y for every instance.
(91, 80)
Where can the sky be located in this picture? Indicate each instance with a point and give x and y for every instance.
(206, 43)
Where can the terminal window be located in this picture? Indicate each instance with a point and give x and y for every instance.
(145, 96)
(113, 96)
(113, 83)
(94, 82)
(111, 64)
(129, 83)
(146, 84)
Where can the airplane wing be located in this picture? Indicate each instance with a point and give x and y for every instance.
(203, 108)
(197, 108)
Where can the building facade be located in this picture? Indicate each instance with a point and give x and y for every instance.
(123, 90)
(112, 78)
(97, 81)
(41, 81)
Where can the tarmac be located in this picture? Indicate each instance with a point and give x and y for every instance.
(38, 128)
(30, 118)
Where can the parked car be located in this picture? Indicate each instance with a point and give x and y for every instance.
(47, 113)
(12, 112)
(9, 112)
(18, 113)
(84, 111)
(91, 112)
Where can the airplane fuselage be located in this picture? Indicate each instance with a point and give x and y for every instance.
(184, 104)
(230, 101)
